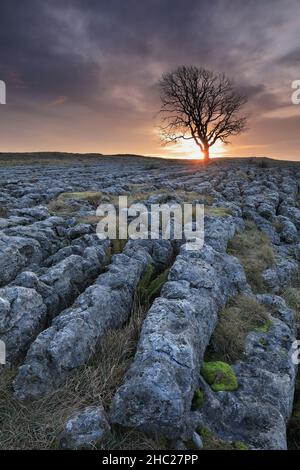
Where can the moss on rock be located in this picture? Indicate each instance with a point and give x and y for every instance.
(220, 376)
(213, 442)
(198, 399)
(240, 445)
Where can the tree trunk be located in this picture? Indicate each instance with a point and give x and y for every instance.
(206, 154)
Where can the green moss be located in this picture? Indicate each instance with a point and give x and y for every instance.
(240, 445)
(264, 328)
(263, 341)
(213, 442)
(220, 376)
(198, 399)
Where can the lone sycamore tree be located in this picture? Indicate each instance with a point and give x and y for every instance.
(201, 105)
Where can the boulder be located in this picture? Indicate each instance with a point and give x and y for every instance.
(85, 429)
(22, 317)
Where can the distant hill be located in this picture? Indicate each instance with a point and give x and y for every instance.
(67, 158)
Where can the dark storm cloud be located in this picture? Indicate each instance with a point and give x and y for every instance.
(292, 58)
(37, 55)
(106, 57)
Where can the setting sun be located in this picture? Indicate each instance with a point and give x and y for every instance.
(188, 149)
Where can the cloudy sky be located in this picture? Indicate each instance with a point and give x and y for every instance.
(81, 75)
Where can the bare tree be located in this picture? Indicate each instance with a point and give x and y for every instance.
(200, 105)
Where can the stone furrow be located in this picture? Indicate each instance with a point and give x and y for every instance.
(257, 413)
(157, 393)
(73, 336)
(27, 305)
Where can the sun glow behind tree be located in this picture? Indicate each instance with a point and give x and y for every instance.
(188, 149)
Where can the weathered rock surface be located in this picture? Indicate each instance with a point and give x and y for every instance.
(35, 300)
(85, 429)
(158, 390)
(50, 286)
(73, 336)
(22, 316)
(258, 412)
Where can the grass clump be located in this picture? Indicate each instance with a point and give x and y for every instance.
(220, 376)
(292, 298)
(141, 192)
(143, 285)
(117, 246)
(242, 315)
(252, 247)
(156, 285)
(3, 212)
(217, 211)
(150, 285)
(62, 206)
(93, 197)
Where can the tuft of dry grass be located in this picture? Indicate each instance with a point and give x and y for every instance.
(142, 192)
(61, 205)
(37, 424)
(292, 298)
(242, 315)
(252, 247)
(3, 212)
(217, 211)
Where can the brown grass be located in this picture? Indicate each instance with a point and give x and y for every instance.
(252, 247)
(292, 298)
(61, 205)
(142, 192)
(242, 315)
(3, 212)
(217, 211)
(36, 425)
